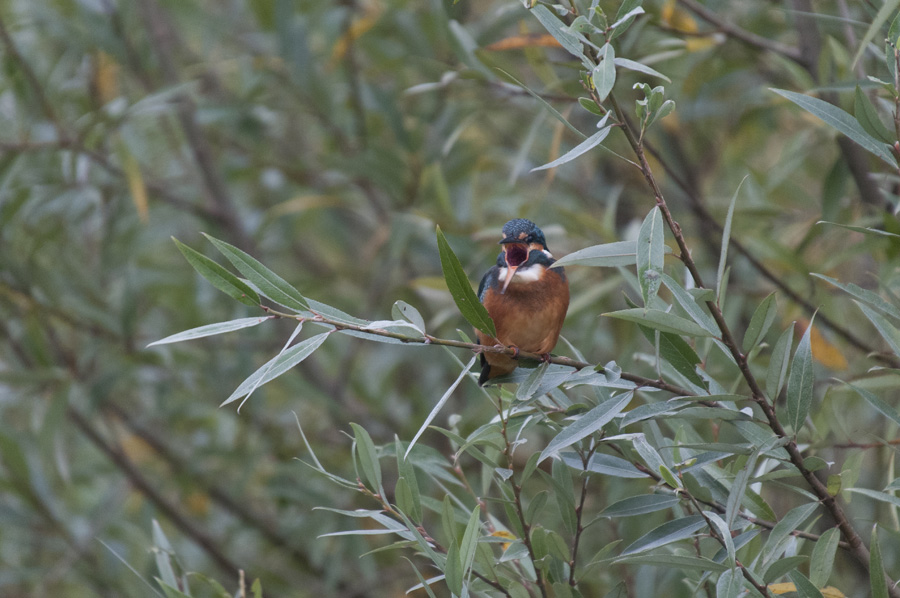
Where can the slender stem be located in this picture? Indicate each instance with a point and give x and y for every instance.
(579, 513)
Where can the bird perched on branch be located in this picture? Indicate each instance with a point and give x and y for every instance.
(525, 296)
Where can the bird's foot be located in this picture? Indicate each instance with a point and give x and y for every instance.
(545, 358)
(515, 349)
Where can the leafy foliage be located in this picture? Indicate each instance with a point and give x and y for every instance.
(712, 452)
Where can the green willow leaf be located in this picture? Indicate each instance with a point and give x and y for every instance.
(650, 257)
(437, 408)
(368, 457)
(660, 320)
(604, 74)
(218, 276)
(639, 505)
(868, 118)
(277, 366)
(587, 424)
(822, 559)
(667, 533)
(270, 284)
(840, 120)
(211, 329)
(800, 383)
(677, 352)
(726, 239)
(631, 65)
(872, 399)
(876, 568)
(760, 322)
(805, 588)
(619, 253)
(461, 289)
(582, 148)
(887, 330)
(778, 363)
(870, 297)
(558, 30)
(674, 561)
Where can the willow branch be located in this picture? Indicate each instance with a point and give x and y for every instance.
(427, 339)
(857, 547)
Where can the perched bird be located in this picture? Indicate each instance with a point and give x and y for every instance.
(526, 297)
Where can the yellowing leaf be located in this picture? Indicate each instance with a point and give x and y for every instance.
(823, 351)
(356, 30)
(504, 534)
(695, 44)
(197, 503)
(785, 588)
(105, 77)
(782, 588)
(528, 40)
(677, 19)
(136, 184)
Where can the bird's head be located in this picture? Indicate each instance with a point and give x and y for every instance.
(523, 245)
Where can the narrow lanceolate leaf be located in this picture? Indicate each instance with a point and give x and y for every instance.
(873, 400)
(887, 330)
(800, 383)
(690, 304)
(760, 322)
(778, 363)
(470, 541)
(861, 229)
(270, 284)
(277, 366)
(582, 148)
(558, 30)
(461, 290)
(641, 68)
(673, 561)
(368, 457)
(822, 558)
(211, 329)
(660, 320)
(650, 255)
(604, 74)
(726, 239)
(667, 533)
(587, 424)
(805, 588)
(870, 297)
(730, 584)
(868, 118)
(779, 535)
(440, 404)
(453, 569)
(887, 9)
(876, 568)
(840, 120)
(218, 276)
(619, 253)
(678, 353)
(639, 505)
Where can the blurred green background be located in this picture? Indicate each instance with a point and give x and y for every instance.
(328, 139)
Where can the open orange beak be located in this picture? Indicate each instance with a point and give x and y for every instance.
(510, 272)
(515, 254)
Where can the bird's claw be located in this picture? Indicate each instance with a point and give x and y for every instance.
(545, 358)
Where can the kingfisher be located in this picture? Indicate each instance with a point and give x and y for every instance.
(525, 296)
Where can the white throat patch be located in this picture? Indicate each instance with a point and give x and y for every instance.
(524, 275)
